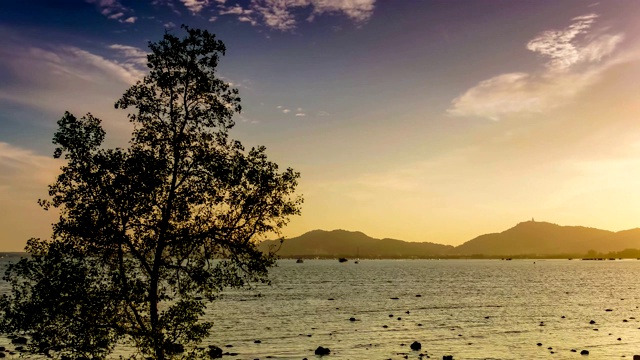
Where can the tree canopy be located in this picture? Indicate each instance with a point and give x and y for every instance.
(148, 234)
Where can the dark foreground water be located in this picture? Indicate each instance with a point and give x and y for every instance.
(471, 309)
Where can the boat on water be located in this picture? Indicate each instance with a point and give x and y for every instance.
(299, 261)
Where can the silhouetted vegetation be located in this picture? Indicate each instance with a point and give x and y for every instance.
(149, 234)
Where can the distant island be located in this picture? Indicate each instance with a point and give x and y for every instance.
(530, 239)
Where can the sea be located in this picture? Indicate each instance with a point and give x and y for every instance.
(470, 309)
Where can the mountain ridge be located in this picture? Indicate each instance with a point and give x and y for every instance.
(535, 238)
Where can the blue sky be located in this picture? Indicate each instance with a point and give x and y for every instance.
(417, 120)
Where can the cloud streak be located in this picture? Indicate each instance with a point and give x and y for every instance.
(575, 59)
(114, 10)
(285, 15)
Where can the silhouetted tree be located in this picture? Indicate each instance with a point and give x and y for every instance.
(148, 234)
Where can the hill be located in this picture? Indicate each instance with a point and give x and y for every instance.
(543, 238)
(352, 244)
(526, 238)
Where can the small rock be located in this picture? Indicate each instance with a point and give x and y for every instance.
(608, 309)
(385, 326)
(2, 355)
(395, 298)
(352, 319)
(20, 340)
(416, 346)
(418, 295)
(174, 348)
(619, 339)
(322, 351)
(406, 312)
(228, 346)
(447, 357)
(214, 352)
(584, 352)
(592, 322)
(539, 344)
(399, 318)
(573, 350)
(257, 342)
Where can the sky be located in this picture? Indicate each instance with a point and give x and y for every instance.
(432, 120)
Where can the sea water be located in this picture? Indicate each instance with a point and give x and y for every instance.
(471, 309)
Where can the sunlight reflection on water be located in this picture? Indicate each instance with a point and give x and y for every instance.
(472, 309)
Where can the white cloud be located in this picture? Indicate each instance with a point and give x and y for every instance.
(114, 10)
(60, 78)
(132, 54)
(212, 19)
(283, 14)
(195, 6)
(233, 10)
(576, 59)
(563, 49)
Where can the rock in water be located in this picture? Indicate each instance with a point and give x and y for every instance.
(174, 348)
(584, 352)
(322, 351)
(447, 357)
(416, 346)
(19, 340)
(214, 352)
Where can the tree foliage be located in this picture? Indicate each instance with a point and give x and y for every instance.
(147, 235)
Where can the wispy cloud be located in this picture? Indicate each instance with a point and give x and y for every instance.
(59, 78)
(195, 6)
(22, 169)
(114, 10)
(575, 58)
(24, 176)
(284, 15)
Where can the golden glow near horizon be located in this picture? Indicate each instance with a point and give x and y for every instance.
(411, 144)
